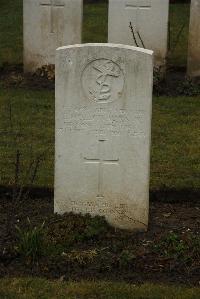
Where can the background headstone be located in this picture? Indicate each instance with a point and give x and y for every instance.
(49, 24)
(194, 40)
(149, 19)
(103, 129)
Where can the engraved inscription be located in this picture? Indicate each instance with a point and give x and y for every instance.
(119, 211)
(105, 121)
(52, 4)
(101, 161)
(102, 81)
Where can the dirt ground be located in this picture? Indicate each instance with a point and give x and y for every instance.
(119, 255)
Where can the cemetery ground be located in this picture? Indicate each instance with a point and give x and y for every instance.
(74, 247)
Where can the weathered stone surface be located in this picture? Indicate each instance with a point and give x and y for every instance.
(49, 24)
(194, 40)
(149, 19)
(103, 129)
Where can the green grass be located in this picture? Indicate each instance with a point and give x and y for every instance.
(175, 138)
(179, 27)
(11, 40)
(175, 142)
(95, 23)
(94, 30)
(32, 119)
(42, 289)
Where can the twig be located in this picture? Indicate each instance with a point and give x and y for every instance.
(17, 171)
(132, 30)
(141, 39)
(25, 180)
(169, 35)
(17, 167)
(39, 159)
(10, 115)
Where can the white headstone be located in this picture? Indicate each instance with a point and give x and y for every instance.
(194, 40)
(49, 24)
(103, 129)
(149, 19)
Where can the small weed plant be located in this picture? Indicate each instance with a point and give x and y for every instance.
(171, 246)
(185, 247)
(189, 87)
(126, 258)
(95, 227)
(30, 242)
(71, 229)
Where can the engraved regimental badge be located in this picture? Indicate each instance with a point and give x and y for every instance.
(103, 81)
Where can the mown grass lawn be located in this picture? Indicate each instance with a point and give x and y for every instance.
(178, 30)
(94, 30)
(11, 32)
(29, 117)
(27, 125)
(29, 288)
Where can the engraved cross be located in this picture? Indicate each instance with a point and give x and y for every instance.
(138, 6)
(101, 162)
(52, 4)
